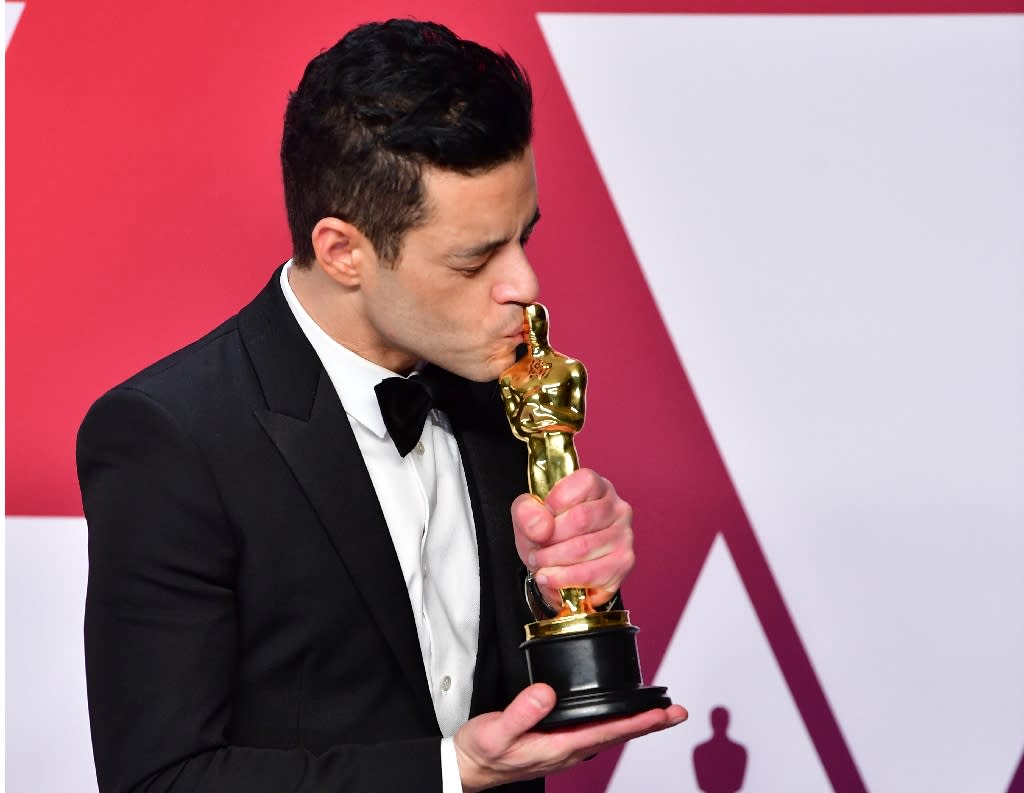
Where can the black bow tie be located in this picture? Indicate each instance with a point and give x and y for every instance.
(404, 405)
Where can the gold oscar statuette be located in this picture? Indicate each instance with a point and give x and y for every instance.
(588, 655)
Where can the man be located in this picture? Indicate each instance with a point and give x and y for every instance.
(282, 599)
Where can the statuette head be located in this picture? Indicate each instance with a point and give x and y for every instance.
(536, 318)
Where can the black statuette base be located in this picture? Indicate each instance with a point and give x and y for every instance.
(595, 674)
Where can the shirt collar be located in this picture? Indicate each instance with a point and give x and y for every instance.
(353, 376)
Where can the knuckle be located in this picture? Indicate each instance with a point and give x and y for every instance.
(578, 519)
(592, 480)
(591, 515)
(574, 520)
(629, 560)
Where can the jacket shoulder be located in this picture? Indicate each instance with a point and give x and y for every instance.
(183, 365)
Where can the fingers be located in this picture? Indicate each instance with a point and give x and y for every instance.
(585, 547)
(582, 485)
(580, 502)
(588, 516)
(592, 738)
(581, 535)
(602, 577)
(592, 541)
(533, 522)
(590, 505)
(600, 561)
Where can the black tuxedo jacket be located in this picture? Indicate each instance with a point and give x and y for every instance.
(247, 624)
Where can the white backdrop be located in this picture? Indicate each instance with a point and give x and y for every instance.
(830, 214)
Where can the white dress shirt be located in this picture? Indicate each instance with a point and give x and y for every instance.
(425, 500)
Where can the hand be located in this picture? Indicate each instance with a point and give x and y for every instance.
(498, 748)
(582, 535)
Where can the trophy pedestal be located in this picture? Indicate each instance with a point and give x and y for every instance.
(591, 662)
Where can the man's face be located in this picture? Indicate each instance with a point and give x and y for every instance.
(455, 296)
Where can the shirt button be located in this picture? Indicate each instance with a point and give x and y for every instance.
(420, 448)
(446, 683)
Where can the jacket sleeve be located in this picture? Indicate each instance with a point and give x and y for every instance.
(161, 627)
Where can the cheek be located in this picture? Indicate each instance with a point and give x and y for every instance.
(467, 311)
(451, 316)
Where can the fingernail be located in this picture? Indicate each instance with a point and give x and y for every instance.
(541, 579)
(531, 560)
(541, 698)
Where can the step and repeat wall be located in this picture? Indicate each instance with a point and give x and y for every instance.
(786, 238)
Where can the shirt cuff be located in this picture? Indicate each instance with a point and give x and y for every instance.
(451, 779)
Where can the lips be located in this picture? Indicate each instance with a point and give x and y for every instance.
(516, 334)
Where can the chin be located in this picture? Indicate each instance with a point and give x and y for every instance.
(487, 374)
(482, 369)
(491, 370)
(503, 363)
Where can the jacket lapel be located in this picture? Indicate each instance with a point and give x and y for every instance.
(495, 466)
(306, 421)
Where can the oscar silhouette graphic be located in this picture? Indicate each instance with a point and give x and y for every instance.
(720, 763)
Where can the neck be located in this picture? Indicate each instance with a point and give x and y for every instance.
(338, 311)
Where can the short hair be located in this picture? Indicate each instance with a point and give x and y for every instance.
(384, 102)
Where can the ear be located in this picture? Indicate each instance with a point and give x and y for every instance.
(342, 251)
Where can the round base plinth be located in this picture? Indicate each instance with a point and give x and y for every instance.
(595, 672)
(607, 705)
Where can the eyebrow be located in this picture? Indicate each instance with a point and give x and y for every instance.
(491, 245)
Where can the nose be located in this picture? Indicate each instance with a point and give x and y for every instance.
(518, 282)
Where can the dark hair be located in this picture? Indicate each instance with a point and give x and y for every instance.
(373, 110)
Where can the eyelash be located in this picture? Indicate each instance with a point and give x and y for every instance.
(468, 272)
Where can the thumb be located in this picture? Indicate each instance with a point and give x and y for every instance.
(532, 519)
(531, 705)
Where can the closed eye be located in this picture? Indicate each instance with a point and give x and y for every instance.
(471, 271)
(528, 231)
(486, 250)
